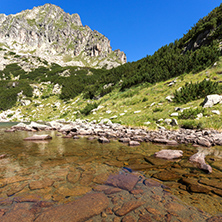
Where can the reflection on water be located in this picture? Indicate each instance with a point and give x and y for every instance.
(74, 167)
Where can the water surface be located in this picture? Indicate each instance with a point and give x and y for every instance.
(62, 169)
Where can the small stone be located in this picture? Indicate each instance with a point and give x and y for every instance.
(39, 137)
(27, 198)
(137, 191)
(75, 137)
(128, 218)
(108, 211)
(34, 185)
(203, 142)
(174, 206)
(126, 182)
(18, 215)
(134, 143)
(101, 178)
(215, 219)
(196, 188)
(112, 190)
(174, 114)
(151, 183)
(116, 219)
(103, 215)
(216, 112)
(124, 140)
(167, 176)
(5, 202)
(128, 207)
(153, 211)
(174, 122)
(103, 140)
(145, 218)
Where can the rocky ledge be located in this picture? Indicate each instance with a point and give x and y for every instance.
(127, 197)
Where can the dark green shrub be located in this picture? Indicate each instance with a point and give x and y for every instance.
(88, 108)
(193, 91)
(191, 113)
(192, 124)
(157, 109)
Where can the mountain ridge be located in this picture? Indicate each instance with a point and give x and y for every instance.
(56, 36)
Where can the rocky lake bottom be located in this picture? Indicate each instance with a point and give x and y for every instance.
(61, 170)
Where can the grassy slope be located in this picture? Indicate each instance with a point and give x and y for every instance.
(137, 98)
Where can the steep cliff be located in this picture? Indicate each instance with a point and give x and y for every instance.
(50, 33)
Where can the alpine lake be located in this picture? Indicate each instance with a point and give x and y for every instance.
(63, 169)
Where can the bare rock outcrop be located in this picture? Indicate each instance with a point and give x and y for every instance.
(48, 30)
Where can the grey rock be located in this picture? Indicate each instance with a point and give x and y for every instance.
(199, 160)
(169, 154)
(169, 98)
(203, 142)
(134, 143)
(39, 137)
(174, 122)
(103, 140)
(211, 100)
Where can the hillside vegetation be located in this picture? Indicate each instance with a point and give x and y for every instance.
(131, 94)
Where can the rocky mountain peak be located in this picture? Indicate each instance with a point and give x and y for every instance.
(56, 36)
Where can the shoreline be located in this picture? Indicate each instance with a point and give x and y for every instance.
(107, 130)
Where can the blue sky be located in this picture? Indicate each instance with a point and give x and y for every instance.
(138, 28)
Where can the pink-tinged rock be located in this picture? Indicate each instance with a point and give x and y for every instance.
(203, 142)
(199, 160)
(103, 140)
(41, 184)
(134, 143)
(39, 137)
(128, 207)
(137, 191)
(128, 218)
(27, 198)
(151, 183)
(5, 202)
(169, 154)
(123, 181)
(3, 156)
(77, 211)
(19, 215)
(112, 190)
(145, 218)
(165, 141)
(124, 140)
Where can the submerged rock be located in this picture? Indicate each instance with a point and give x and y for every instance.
(39, 137)
(199, 160)
(169, 154)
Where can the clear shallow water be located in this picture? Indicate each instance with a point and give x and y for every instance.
(62, 169)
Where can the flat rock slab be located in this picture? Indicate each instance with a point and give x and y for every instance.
(39, 137)
(123, 181)
(81, 210)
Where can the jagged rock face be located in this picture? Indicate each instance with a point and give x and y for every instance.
(47, 31)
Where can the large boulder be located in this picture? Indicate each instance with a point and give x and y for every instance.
(212, 100)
